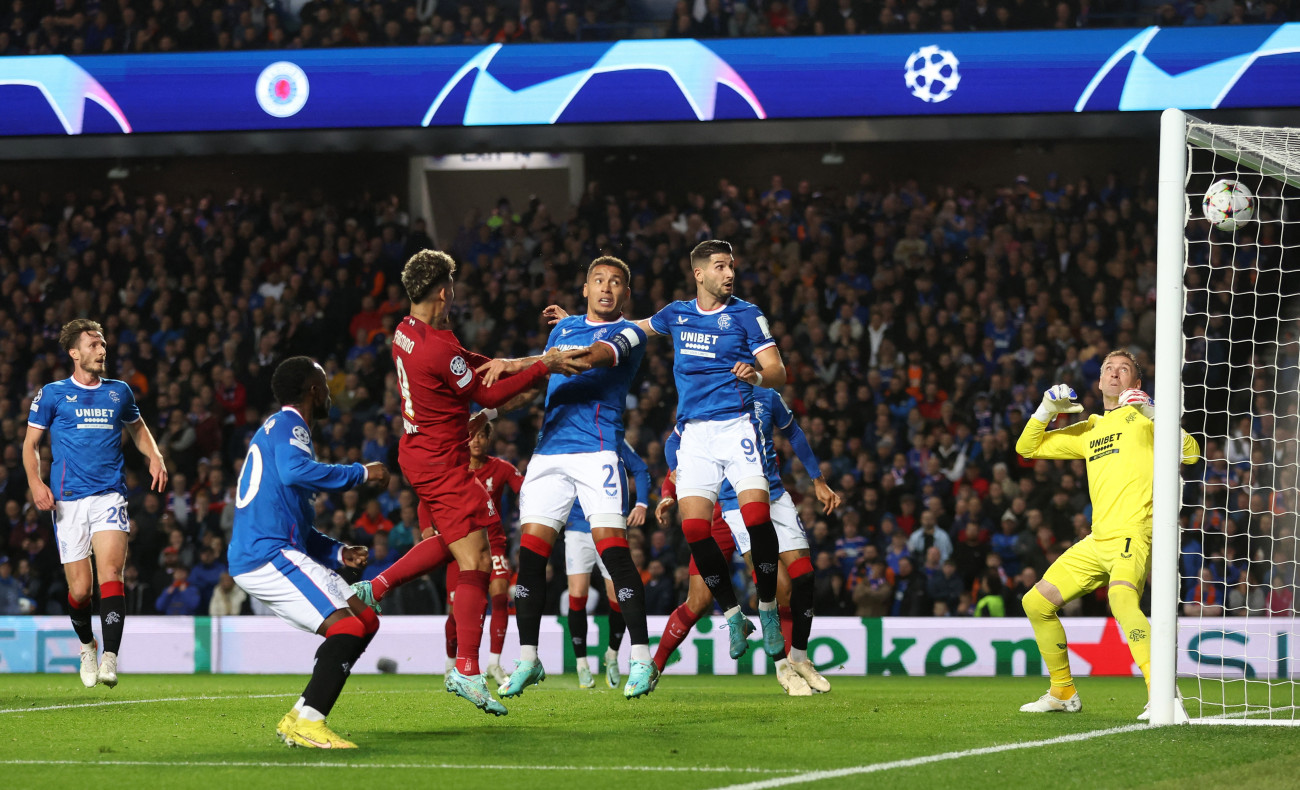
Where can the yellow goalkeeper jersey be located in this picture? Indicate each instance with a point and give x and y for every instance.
(1119, 449)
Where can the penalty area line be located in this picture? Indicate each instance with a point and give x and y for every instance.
(817, 776)
(111, 702)
(444, 766)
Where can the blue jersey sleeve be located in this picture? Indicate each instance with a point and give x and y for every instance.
(799, 441)
(758, 335)
(639, 472)
(298, 468)
(625, 342)
(322, 548)
(659, 321)
(671, 445)
(130, 409)
(42, 409)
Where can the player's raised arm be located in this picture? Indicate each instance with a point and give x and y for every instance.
(294, 462)
(1038, 442)
(804, 452)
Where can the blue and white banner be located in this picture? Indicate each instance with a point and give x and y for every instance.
(660, 80)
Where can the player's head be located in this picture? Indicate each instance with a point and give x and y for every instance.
(714, 268)
(478, 443)
(300, 382)
(1119, 371)
(427, 277)
(83, 339)
(608, 285)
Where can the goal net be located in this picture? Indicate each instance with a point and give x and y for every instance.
(1232, 517)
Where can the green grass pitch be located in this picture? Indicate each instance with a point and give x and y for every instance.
(693, 732)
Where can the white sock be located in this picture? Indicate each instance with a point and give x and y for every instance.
(782, 662)
(494, 659)
(640, 652)
(611, 653)
(528, 652)
(767, 606)
(798, 655)
(298, 705)
(309, 713)
(735, 610)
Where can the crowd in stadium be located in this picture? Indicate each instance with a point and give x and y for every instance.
(30, 27)
(919, 324)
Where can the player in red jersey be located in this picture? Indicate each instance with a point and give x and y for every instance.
(495, 474)
(438, 378)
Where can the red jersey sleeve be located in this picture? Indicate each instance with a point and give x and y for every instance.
(510, 475)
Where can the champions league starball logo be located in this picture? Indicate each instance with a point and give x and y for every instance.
(282, 89)
(931, 74)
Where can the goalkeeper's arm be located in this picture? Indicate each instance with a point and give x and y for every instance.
(1037, 442)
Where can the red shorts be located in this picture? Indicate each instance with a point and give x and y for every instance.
(452, 500)
(722, 534)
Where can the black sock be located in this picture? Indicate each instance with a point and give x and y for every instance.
(713, 570)
(802, 592)
(112, 618)
(766, 554)
(530, 595)
(617, 627)
(81, 621)
(578, 631)
(630, 591)
(334, 660)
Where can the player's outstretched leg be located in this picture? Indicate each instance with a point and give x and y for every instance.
(81, 612)
(344, 643)
(802, 593)
(530, 600)
(428, 554)
(1050, 636)
(679, 626)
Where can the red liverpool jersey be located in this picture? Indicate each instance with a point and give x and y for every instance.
(497, 472)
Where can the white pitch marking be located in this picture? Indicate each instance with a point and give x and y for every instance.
(446, 766)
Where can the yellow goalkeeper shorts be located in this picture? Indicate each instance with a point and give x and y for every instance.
(1089, 564)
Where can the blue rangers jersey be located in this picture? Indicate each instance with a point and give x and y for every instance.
(772, 413)
(273, 501)
(85, 427)
(706, 346)
(584, 413)
(632, 464)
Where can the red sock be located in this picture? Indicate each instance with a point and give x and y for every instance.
(451, 631)
(679, 625)
(471, 605)
(787, 625)
(424, 557)
(500, 622)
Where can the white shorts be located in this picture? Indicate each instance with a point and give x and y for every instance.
(75, 520)
(789, 528)
(300, 591)
(596, 480)
(712, 450)
(580, 554)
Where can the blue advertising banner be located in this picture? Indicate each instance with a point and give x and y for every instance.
(659, 80)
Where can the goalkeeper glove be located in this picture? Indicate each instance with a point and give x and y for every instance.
(1139, 400)
(1057, 400)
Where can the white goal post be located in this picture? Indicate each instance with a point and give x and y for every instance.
(1227, 362)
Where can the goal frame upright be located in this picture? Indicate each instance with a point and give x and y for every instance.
(1171, 254)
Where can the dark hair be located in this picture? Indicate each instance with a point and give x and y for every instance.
(486, 430)
(72, 331)
(610, 260)
(707, 249)
(291, 379)
(425, 272)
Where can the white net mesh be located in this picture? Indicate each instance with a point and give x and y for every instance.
(1237, 630)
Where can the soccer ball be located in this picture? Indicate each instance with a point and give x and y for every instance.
(1228, 204)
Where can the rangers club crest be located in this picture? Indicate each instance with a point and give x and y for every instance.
(724, 321)
(113, 396)
(600, 333)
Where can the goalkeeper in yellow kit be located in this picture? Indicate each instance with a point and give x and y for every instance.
(1118, 448)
